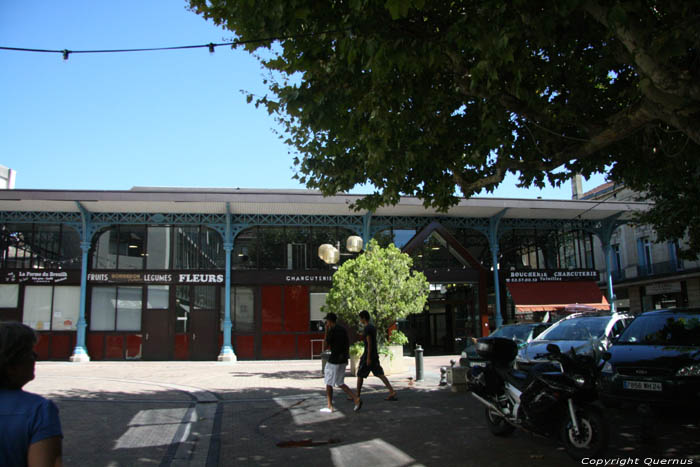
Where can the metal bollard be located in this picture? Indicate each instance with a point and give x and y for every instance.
(443, 376)
(419, 363)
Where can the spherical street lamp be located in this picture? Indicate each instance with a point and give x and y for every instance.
(331, 254)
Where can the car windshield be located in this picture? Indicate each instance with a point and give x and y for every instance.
(513, 332)
(576, 329)
(662, 329)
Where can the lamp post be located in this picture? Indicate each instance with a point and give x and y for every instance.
(331, 254)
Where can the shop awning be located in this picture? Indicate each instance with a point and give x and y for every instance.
(530, 297)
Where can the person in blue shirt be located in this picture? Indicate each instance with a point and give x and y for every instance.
(30, 428)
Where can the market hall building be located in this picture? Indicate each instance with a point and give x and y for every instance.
(206, 274)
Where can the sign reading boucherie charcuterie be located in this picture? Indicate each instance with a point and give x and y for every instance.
(552, 275)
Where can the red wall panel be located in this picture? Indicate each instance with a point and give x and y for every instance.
(181, 347)
(133, 346)
(42, 345)
(96, 346)
(271, 308)
(244, 347)
(115, 347)
(279, 346)
(304, 345)
(296, 308)
(61, 345)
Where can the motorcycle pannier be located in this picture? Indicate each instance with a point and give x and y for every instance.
(499, 350)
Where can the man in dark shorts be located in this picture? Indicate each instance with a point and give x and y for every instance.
(370, 358)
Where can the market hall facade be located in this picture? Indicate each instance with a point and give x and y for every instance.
(207, 274)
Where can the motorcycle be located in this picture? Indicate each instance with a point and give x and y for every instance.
(555, 398)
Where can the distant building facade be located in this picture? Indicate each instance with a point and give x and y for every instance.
(646, 275)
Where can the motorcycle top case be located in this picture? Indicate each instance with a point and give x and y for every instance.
(499, 350)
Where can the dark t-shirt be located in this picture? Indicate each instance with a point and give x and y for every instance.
(339, 344)
(370, 331)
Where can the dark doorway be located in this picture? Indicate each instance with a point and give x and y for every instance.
(158, 324)
(197, 322)
(158, 334)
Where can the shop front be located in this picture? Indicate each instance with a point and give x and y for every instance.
(180, 274)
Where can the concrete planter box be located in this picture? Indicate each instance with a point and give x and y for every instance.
(391, 365)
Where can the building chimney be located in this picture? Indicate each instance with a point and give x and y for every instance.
(576, 186)
(7, 178)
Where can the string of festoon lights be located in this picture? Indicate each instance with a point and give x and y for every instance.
(211, 46)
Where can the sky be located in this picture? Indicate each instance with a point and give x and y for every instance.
(118, 120)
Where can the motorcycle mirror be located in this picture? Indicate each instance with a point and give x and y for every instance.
(553, 349)
(606, 356)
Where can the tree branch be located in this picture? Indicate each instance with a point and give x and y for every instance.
(671, 81)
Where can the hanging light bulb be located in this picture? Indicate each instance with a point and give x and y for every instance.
(328, 253)
(324, 251)
(334, 256)
(354, 244)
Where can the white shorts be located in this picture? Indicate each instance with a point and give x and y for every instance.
(334, 374)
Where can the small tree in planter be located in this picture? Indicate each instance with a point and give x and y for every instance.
(380, 281)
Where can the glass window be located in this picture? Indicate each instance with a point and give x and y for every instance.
(66, 308)
(9, 295)
(204, 297)
(103, 308)
(245, 251)
(42, 246)
(131, 246)
(186, 239)
(37, 307)
(402, 237)
(198, 248)
(435, 252)
(677, 329)
(71, 253)
(129, 308)
(158, 248)
(243, 309)
(158, 297)
(273, 248)
(16, 243)
(102, 257)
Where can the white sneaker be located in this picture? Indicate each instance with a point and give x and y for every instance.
(326, 410)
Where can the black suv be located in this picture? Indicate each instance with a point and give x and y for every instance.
(656, 360)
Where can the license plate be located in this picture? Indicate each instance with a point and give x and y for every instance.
(642, 385)
(477, 363)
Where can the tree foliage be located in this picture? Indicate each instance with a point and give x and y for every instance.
(438, 99)
(380, 281)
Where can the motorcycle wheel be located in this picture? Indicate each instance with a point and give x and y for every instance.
(593, 437)
(498, 425)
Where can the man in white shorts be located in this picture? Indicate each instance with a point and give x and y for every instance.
(334, 372)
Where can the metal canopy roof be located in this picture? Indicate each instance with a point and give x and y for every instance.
(265, 201)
